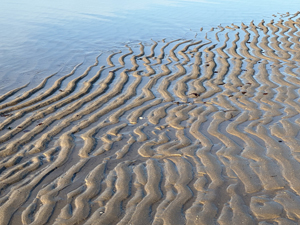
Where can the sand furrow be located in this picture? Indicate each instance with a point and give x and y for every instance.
(173, 214)
(47, 93)
(28, 93)
(113, 209)
(197, 131)
(82, 201)
(162, 51)
(142, 214)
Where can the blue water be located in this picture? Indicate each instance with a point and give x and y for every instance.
(37, 37)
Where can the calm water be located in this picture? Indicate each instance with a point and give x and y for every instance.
(38, 38)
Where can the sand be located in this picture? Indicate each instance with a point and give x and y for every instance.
(201, 131)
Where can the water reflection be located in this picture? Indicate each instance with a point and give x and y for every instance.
(60, 28)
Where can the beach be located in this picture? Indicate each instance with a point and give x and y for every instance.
(202, 129)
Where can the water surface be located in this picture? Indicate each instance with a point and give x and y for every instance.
(39, 37)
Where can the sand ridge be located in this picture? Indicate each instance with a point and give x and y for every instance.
(202, 131)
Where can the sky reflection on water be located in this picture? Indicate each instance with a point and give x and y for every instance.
(60, 28)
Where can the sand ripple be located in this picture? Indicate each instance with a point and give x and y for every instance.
(182, 132)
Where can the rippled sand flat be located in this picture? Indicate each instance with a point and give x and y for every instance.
(201, 131)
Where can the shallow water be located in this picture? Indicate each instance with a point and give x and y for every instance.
(39, 37)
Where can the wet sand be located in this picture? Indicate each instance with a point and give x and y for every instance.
(201, 131)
